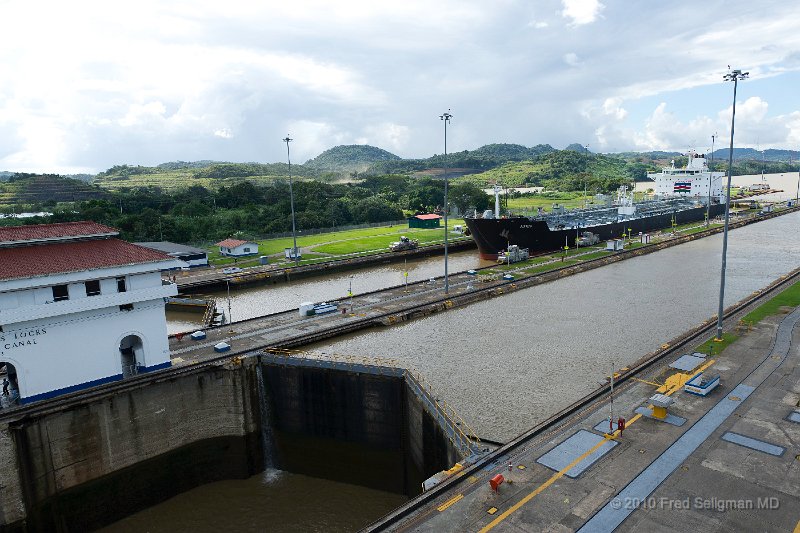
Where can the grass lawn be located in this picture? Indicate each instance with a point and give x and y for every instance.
(382, 242)
(340, 242)
(712, 347)
(790, 298)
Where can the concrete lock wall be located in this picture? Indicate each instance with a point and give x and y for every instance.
(356, 427)
(79, 464)
(98, 461)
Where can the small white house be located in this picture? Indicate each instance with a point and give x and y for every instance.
(78, 307)
(237, 248)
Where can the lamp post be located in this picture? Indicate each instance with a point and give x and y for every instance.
(287, 140)
(733, 76)
(710, 177)
(230, 320)
(446, 118)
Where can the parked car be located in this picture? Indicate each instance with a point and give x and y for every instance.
(231, 270)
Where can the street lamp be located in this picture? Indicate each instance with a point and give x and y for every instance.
(446, 118)
(710, 176)
(287, 140)
(733, 76)
(230, 319)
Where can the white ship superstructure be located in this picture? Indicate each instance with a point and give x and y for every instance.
(694, 180)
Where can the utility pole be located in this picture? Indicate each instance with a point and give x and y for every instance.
(287, 140)
(710, 176)
(446, 118)
(733, 76)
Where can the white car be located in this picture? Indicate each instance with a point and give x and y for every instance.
(231, 270)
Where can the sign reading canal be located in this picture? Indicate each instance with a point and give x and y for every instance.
(20, 339)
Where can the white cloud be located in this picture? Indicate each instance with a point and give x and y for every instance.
(156, 81)
(581, 11)
(571, 59)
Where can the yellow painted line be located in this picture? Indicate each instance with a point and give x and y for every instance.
(449, 502)
(558, 475)
(797, 527)
(653, 383)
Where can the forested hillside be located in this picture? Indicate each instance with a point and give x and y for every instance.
(563, 170)
(45, 190)
(349, 158)
(211, 174)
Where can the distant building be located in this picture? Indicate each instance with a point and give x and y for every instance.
(188, 254)
(78, 307)
(424, 221)
(237, 248)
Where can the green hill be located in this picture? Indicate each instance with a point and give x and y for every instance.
(346, 159)
(209, 174)
(29, 189)
(484, 158)
(564, 170)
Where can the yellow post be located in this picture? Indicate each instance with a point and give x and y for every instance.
(659, 412)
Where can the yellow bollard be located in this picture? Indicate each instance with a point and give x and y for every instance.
(658, 412)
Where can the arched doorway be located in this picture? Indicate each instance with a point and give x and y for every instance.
(10, 385)
(131, 354)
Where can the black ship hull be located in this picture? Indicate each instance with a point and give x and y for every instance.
(495, 234)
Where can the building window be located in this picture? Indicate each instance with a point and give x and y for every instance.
(246, 250)
(60, 293)
(93, 287)
(126, 307)
(121, 285)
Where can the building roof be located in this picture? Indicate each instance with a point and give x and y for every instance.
(38, 233)
(75, 256)
(171, 248)
(233, 243)
(427, 217)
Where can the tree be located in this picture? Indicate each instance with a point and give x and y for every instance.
(466, 195)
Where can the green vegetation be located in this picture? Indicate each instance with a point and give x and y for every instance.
(205, 201)
(45, 191)
(349, 159)
(713, 347)
(788, 298)
(564, 170)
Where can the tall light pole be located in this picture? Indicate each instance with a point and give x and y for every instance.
(733, 76)
(446, 118)
(710, 178)
(230, 319)
(287, 140)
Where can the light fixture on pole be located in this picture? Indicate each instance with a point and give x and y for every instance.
(446, 118)
(710, 177)
(230, 320)
(733, 76)
(287, 140)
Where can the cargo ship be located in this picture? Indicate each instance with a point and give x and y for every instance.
(681, 195)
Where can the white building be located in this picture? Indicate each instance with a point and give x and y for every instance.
(694, 180)
(79, 307)
(237, 248)
(190, 255)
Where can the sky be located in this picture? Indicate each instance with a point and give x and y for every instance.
(85, 85)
